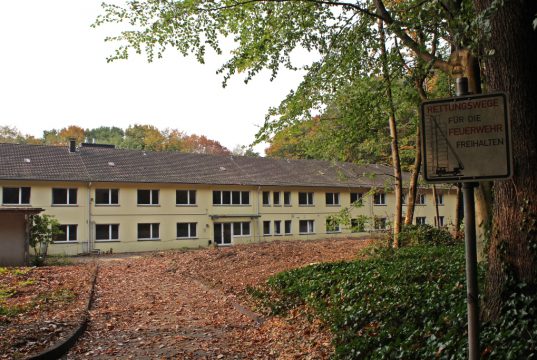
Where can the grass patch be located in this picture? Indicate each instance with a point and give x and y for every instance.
(403, 304)
(58, 260)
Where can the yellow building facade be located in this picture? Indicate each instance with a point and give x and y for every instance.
(125, 202)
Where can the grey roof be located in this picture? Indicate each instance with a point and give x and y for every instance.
(99, 164)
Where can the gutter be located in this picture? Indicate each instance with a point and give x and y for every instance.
(90, 244)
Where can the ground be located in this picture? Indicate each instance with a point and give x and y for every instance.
(195, 304)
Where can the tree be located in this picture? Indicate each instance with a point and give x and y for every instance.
(43, 229)
(343, 35)
(143, 137)
(105, 135)
(200, 144)
(62, 136)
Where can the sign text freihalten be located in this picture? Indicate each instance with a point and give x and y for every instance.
(466, 139)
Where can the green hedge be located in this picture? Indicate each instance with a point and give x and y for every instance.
(405, 304)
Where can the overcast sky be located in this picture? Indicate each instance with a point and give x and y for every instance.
(53, 73)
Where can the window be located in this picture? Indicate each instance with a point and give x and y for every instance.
(266, 227)
(277, 227)
(276, 198)
(106, 232)
(266, 198)
(287, 225)
(68, 233)
(231, 197)
(420, 199)
(64, 196)
(403, 199)
(148, 231)
(106, 196)
(356, 197)
(186, 230)
(241, 228)
(380, 223)
(305, 198)
(332, 226)
(148, 197)
(440, 221)
(305, 226)
(332, 198)
(185, 197)
(379, 199)
(16, 195)
(287, 198)
(420, 220)
(357, 225)
(440, 199)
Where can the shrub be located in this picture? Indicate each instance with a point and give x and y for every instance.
(424, 235)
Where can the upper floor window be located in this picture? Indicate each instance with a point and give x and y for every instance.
(287, 198)
(440, 199)
(332, 198)
(62, 196)
(276, 198)
(420, 199)
(106, 196)
(16, 195)
(231, 197)
(107, 232)
(356, 197)
(148, 197)
(266, 197)
(148, 231)
(305, 198)
(379, 199)
(185, 197)
(68, 233)
(241, 228)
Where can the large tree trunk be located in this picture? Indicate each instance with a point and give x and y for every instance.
(459, 213)
(513, 244)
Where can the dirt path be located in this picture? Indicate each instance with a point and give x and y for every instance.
(193, 305)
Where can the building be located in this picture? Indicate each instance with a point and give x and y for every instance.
(129, 200)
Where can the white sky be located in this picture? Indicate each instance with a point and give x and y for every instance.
(53, 73)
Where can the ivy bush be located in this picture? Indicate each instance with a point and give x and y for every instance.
(405, 304)
(424, 235)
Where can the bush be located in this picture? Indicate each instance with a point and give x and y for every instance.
(424, 235)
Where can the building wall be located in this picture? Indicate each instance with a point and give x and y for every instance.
(128, 214)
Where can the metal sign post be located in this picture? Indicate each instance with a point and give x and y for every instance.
(467, 139)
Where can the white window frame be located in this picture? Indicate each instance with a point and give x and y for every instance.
(337, 228)
(439, 221)
(241, 201)
(379, 199)
(267, 194)
(309, 198)
(440, 199)
(190, 234)
(109, 203)
(151, 200)
(276, 198)
(67, 196)
(110, 232)
(241, 225)
(67, 234)
(290, 222)
(19, 189)
(278, 227)
(333, 197)
(189, 197)
(420, 199)
(359, 197)
(310, 225)
(421, 220)
(151, 231)
(267, 222)
(288, 195)
(380, 221)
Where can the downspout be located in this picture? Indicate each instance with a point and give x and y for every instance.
(90, 244)
(258, 216)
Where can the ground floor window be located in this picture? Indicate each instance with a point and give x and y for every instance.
(357, 225)
(288, 226)
(380, 223)
(421, 220)
(439, 221)
(332, 226)
(186, 230)
(148, 231)
(107, 232)
(306, 226)
(68, 233)
(241, 228)
(277, 227)
(266, 227)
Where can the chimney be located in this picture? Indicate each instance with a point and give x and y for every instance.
(72, 145)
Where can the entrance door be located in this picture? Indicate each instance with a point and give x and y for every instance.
(222, 233)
